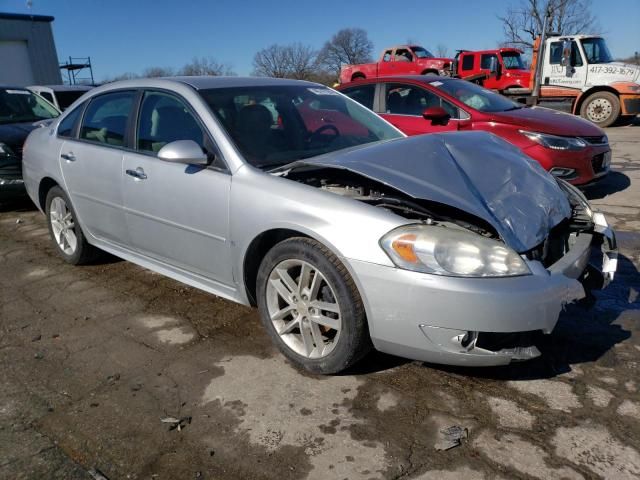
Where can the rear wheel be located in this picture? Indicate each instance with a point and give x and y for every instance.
(602, 108)
(65, 231)
(311, 307)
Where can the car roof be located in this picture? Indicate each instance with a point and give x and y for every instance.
(208, 81)
(412, 78)
(64, 88)
(201, 82)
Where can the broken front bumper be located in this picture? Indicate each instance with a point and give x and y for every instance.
(440, 319)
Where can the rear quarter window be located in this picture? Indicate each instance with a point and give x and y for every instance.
(68, 124)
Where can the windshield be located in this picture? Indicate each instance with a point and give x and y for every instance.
(512, 61)
(20, 106)
(475, 96)
(596, 50)
(276, 125)
(421, 52)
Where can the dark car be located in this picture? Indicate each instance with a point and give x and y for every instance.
(21, 111)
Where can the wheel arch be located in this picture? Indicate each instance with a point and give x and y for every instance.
(358, 76)
(263, 242)
(427, 71)
(600, 88)
(46, 184)
(256, 252)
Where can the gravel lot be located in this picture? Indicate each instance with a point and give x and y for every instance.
(92, 358)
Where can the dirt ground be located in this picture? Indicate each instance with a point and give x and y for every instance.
(93, 358)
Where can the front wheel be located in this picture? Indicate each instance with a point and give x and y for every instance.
(602, 108)
(311, 307)
(65, 231)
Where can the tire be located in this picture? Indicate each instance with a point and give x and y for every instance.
(63, 228)
(601, 108)
(321, 340)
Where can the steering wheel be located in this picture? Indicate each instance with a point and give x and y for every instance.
(315, 135)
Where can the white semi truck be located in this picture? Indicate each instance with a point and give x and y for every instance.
(580, 70)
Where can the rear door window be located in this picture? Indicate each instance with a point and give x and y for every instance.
(362, 94)
(467, 62)
(105, 120)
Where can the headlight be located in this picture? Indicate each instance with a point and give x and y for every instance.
(451, 252)
(575, 196)
(5, 151)
(555, 142)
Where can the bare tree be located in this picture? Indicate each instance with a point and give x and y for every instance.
(296, 61)
(206, 66)
(522, 23)
(442, 50)
(348, 46)
(152, 72)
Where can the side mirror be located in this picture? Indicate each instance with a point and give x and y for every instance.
(437, 115)
(566, 53)
(495, 67)
(183, 151)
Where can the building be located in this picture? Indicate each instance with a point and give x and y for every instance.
(27, 50)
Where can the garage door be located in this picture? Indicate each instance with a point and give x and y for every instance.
(16, 66)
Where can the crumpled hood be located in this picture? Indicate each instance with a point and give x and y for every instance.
(476, 172)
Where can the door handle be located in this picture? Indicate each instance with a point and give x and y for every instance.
(69, 157)
(137, 173)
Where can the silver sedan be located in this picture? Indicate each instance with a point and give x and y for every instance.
(450, 248)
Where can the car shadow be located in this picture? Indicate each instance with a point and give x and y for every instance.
(16, 202)
(612, 183)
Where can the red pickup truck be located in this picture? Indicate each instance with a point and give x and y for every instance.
(510, 72)
(398, 60)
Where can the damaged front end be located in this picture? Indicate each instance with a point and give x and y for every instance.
(537, 233)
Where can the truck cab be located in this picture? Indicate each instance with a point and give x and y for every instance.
(510, 74)
(581, 67)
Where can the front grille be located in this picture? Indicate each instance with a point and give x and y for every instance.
(597, 163)
(599, 140)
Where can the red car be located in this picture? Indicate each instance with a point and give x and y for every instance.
(569, 147)
(398, 60)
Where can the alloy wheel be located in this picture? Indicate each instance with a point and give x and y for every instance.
(303, 308)
(63, 226)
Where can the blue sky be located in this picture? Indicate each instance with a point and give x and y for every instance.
(128, 36)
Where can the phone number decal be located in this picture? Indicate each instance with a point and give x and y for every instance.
(612, 70)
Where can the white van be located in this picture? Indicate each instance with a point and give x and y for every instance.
(60, 95)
